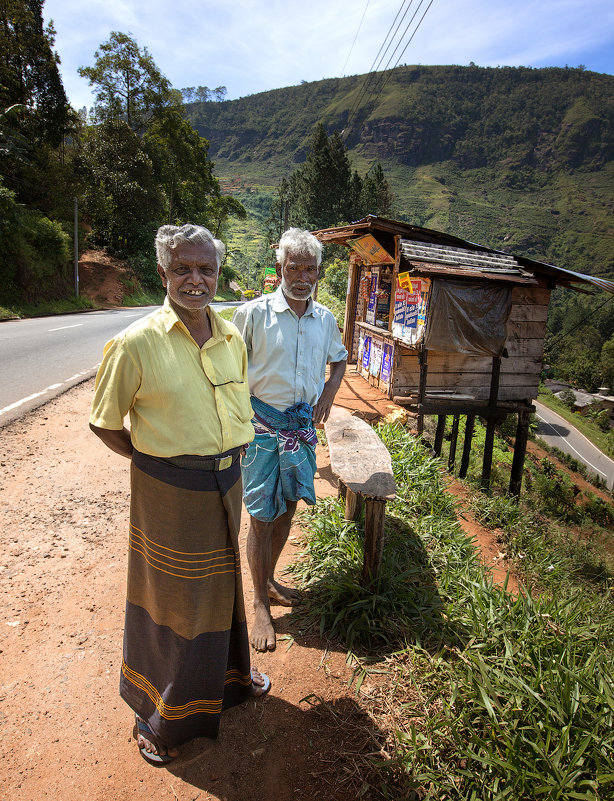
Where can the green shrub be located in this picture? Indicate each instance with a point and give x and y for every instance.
(555, 494)
(491, 696)
(336, 279)
(598, 510)
(36, 253)
(144, 268)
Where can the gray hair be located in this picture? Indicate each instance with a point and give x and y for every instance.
(296, 240)
(170, 236)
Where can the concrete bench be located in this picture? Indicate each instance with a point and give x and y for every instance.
(363, 465)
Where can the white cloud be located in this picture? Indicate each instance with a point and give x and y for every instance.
(252, 46)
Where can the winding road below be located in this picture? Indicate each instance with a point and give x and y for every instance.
(556, 432)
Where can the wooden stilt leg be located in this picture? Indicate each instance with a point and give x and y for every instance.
(453, 441)
(441, 427)
(520, 449)
(488, 448)
(469, 424)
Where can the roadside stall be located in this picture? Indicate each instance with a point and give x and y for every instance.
(444, 326)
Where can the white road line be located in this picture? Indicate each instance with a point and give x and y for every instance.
(51, 387)
(569, 445)
(62, 327)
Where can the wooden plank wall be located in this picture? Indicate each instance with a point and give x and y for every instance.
(470, 375)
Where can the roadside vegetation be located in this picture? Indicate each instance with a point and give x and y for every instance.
(44, 308)
(132, 161)
(479, 694)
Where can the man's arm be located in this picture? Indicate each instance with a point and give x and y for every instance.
(322, 408)
(117, 441)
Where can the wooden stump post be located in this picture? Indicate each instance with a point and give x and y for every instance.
(353, 505)
(364, 467)
(374, 538)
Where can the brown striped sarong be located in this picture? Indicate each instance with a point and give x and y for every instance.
(186, 652)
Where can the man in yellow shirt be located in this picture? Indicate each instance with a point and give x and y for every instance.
(181, 375)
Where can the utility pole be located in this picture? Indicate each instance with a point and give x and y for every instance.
(76, 247)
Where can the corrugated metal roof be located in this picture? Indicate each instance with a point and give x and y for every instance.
(460, 257)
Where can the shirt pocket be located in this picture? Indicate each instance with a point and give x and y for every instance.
(236, 399)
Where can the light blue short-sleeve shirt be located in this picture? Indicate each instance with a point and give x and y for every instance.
(287, 355)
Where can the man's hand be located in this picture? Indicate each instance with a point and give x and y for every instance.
(322, 408)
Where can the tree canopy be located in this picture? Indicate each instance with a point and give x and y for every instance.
(127, 82)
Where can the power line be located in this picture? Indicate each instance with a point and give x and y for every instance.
(404, 32)
(577, 325)
(377, 91)
(373, 68)
(355, 37)
(389, 75)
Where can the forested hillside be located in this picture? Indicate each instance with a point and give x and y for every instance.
(515, 158)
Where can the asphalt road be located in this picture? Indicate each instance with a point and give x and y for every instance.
(558, 433)
(44, 356)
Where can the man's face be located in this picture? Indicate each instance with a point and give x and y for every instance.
(190, 279)
(299, 275)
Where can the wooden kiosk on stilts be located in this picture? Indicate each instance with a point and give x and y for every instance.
(448, 327)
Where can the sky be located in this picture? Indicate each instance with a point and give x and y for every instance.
(252, 46)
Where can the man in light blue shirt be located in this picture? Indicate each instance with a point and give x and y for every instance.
(290, 339)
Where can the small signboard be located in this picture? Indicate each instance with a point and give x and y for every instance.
(366, 353)
(410, 311)
(387, 363)
(370, 250)
(271, 281)
(372, 305)
(376, 358)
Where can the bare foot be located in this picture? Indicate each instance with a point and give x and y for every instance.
(263, 634)
(151, 746)
(284, 596)
(261, 683)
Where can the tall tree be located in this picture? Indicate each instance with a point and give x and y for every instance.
(128, 83)
(122, 200)
(29, 72)
(181, 164)
(34, 113)
(320, 188)
(375, 196)
(324, 191)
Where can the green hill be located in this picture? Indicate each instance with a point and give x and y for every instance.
(516, 158)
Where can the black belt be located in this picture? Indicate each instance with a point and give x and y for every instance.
(221, 461)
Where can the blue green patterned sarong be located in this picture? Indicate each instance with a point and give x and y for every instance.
(280, 463)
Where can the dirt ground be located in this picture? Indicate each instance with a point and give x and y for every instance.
(67, 735)
(102, 278)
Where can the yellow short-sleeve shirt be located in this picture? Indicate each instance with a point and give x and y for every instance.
(181, 399)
